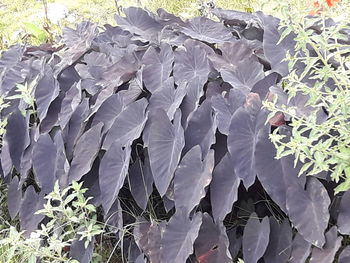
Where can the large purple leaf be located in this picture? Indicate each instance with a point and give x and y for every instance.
(299, 102)
(279, 248)
(201, 128)
(168, 98)
(134, 253)
(194, 91)
(276, 175)
(148, 238)
(91, 182)
(27, 157)
(245, 75)
(233, 53)
(114, 218)
(255, 238)
(165, 146)
(109, 111)
(113, 170)
(99, 98)
(141, 181)
(128, 125)
(31, 203)
(67, 78)
(152, 117)
(14, 197)
(139, 22)
(69, 104)
(85, 152)
(343, 220)
(84, 31)
(179, 236)
(274, 51)
(262, 86)
(114, 35)
(76, 127)
(300, 249)
(62, 164)
(235, 242)
(238, 66)
(344, 256)
(190, 63)
(327, 252)
(233, 17)
(15, 136)
(158, 66)
(11, 68)
(78, 41)
(134, 90)
(140, 233)
(140, 259)
(154, 242)
(246, 123)
(225, 106)
(46, 91)
(308, 211)
(79, 252)
(168, 35)
(120, 72)
(6, 160)
(223, 188)
(206, 30)
(212, 242)
(217, 87)
(191, 178)
(44, 162)
(166, 18)
(52, 116)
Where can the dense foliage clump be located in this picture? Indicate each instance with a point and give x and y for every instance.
(162, 121)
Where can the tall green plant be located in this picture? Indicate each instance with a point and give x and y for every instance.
(70, 217)
(321, 146)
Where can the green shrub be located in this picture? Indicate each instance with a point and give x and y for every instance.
(322, 146)
(70, 216)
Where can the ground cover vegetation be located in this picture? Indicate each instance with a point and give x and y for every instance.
(155, 140)
(40, 21)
